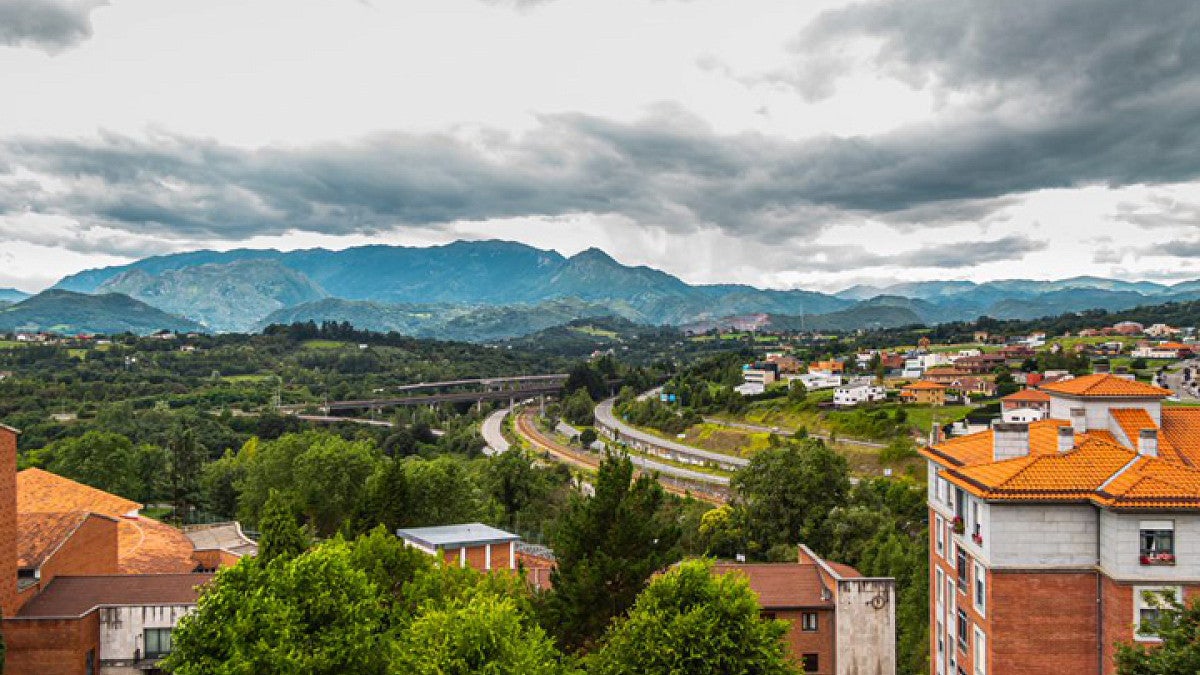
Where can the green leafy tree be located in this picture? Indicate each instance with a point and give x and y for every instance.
(187, 458)
(787, 494)
(282, 536)
(587, 437)
(607, 546)
(579, 408)
(104, 460)
(691, 621)
(485, 634)
(1178, 626)
(314, 613)
(443, 492)
(723, 531)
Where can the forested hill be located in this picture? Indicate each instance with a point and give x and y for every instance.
(69, 313)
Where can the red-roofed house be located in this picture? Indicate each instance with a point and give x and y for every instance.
(841, 621)
(1045, 535)
(1027, 405)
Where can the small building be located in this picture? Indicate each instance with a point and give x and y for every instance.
(760, 374)
(786, 363)
(832, 367)
(845, 397)
(475, 545)
(815, 381)
(1161, 330)
(924, 393)
(1163, 350)
(1128, 328)
(971, 385)
(1027, 405)
(841, 622)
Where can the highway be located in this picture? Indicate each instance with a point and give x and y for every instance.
(492, 431)
(678, 451)
(679, 481)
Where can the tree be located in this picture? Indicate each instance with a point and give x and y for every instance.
(579, 408)
(314, 613)
(187, 459)
(797, 392)
(587, 437)
(485, 634)
(691, 621)
(282, 536)
(1178, 626)
(607, 546)
(104, 460)
(787, 494)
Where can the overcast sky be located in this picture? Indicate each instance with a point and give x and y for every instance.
(777, 143)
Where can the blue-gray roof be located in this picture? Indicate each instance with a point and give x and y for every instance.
(454, 536)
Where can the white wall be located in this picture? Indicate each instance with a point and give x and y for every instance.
(1035, 535)
(1120, 547)
(1097, 411)
(121, 628)
(866, 627)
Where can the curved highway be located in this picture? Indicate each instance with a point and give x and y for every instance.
(606, 420)
(675, 479)
(492, 431)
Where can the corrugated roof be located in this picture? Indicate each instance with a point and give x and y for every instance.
(1105, 385)
(76, 596)
(454, 536)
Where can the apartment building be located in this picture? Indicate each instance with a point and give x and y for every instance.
(1045, 536)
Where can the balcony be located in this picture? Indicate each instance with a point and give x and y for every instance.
(1156, 559)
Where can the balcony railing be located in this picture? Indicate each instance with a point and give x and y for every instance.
(1156, 558)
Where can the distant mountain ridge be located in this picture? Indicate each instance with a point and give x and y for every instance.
(451, 290)
(68, 313)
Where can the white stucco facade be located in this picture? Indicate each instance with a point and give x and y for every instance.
(122, 633)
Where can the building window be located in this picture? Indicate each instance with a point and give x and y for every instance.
(808, 621)
(980, 588)
(961, 566)
(812, 663)
(1148, 605)
(962, 631)
(1157, 539)
(941, 649)
(940, 535)
(960, 505)
(980, 652)
(158, 642)
(939, 579)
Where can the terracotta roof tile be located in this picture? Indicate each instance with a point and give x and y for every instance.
(76, 596)
(1031, 395)
(1133, 420)
(146, 546)
(40, 491)
(1105, 385)
(781, 585)
(40, 534)
(1181, 426)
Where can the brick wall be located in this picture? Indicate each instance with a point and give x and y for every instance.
(8, 521)
(820, 642)
(51, 646)
(92, 549)
(1043, 622)
(477, 558)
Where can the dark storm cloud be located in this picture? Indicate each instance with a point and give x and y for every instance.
(50, 25)
(1067, 94)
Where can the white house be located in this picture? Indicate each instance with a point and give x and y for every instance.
(856, 394)
(815, 381)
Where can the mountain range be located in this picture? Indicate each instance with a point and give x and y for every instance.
(69, 313)
(486, 290)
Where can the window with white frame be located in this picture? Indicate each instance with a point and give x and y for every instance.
(939, 589)
(1156, 542)
(940, 535)
(1149, 602)
(980, 652)
(963, 635)
(980, 588)
(941, 648)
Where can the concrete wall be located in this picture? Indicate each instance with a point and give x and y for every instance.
(1096, 411)
(866, 627)
(1039, 535)
(1120, 547)
(121, 628)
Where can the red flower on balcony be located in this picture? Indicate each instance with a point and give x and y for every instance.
(959, 526)
(1157, 559)
(977, 538)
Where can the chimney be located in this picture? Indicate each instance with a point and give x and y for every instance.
(1079, 420)
(1066, 439)
(1148, 442)
(1010, 440)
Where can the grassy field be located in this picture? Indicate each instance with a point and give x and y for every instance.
(10, 344)
(323, 344)
(247, 378)
(598, 332)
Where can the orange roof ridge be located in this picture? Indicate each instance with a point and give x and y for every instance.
(1105, 385)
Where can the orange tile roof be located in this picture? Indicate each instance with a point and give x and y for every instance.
(40, 534)
(923, 384)
(1133, 420)
(1073, 475)
(1033, 395)
(146, 546)
(40, 491)
(1105, 385)
(977, 448)
(1181, 426)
